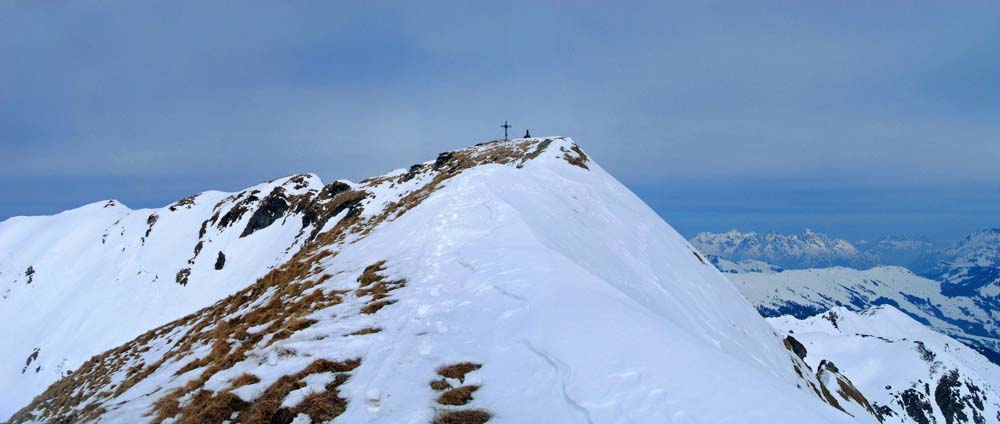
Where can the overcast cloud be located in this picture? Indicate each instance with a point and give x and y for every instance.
(859, 118)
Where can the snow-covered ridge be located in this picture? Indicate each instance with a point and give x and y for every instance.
(511, 282)
(77, 283)
(807, 249)
(910, 373)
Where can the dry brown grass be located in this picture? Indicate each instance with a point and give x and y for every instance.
(458, 371)
(321, 406)
(371, 283)
(244, 380)
(457, 396)
(577, 158)
(299, 324)
(208, 407)
(370, 274)
(471, 416)
(229, 341)
(847, 391)
(440, 384)
(374, 307)
(365, 331)
(828, 397)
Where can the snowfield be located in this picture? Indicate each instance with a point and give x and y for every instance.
(511, 281)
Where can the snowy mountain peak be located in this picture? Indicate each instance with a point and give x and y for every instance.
(807, 249)
(448, 292)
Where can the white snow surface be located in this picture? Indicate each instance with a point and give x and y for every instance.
(579, 301)
(885, 352)
(99, 281)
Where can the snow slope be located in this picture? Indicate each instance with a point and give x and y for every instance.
(803, 293)
(75, 284)
(807, 249)
(911, 373)
(512, 280)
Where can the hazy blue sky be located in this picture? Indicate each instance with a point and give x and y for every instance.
(855, 118)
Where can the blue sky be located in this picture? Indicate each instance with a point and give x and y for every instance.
(859, 119)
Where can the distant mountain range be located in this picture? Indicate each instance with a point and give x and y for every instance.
(918, 254)
(957, 296)
(807, 249)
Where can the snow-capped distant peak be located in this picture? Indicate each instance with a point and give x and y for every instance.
(807, 249)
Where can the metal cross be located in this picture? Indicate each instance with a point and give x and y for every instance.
(505, 126)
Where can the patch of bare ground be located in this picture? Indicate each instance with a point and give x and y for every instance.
(457, 396)
(470, 416)
(458, 371)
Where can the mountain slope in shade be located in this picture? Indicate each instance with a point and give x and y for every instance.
(803, 293)
(807, 249)
(510, 282)
(910, 373)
